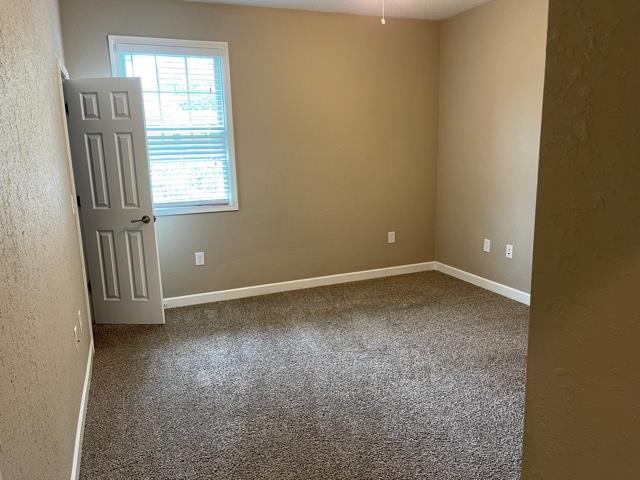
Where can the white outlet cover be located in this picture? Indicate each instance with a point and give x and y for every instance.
(509, 251)
(487, 245)
(199, 258)
(391, 237)
(75, 335)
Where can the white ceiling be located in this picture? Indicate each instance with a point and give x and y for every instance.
(424, 9)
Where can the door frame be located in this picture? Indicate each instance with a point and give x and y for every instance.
(62, 74)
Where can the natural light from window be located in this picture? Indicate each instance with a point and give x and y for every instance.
(187, 126)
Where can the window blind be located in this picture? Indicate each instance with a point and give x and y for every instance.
(186, 123)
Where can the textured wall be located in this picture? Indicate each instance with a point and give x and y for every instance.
(582, 418)
(41, 373)
(336, 138)
(491, 79)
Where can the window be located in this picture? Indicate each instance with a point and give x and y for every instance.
(187, 101)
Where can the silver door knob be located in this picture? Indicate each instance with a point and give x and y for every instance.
(144, 219)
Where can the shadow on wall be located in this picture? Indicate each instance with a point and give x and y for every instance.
(582, 390)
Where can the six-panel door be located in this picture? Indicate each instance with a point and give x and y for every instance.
(109, 150)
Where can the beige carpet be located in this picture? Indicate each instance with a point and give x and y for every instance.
(412, 377)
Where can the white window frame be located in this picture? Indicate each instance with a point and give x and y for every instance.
(187, 47)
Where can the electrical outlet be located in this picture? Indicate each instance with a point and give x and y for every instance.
(391, 237)
(509, 251)
(75, 336)
(199, 258)
(487, 245)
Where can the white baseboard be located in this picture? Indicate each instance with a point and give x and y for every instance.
(303, 283)
(77, 451)
(485, 283)
(253, 291)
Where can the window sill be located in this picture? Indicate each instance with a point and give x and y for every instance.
(168, 211)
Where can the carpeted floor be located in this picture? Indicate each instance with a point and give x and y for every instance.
(411, 377)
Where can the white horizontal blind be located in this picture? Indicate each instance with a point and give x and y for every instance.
(186, 126)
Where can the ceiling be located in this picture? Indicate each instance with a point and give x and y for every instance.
(424, 9)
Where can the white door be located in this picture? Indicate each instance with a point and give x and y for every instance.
(109, 151)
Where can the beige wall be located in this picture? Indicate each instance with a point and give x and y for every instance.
(582, 418)
(491, 79)
(41, 283)
(336, 138)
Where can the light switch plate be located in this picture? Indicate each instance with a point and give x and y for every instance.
(199, 258)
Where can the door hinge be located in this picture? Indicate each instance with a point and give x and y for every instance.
(78, 201)
(89, 286)
(66, 108)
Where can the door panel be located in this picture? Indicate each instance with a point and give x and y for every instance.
(127, 170)
(137, 265)
(108, 268)
(97, 170)
(109, 150)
